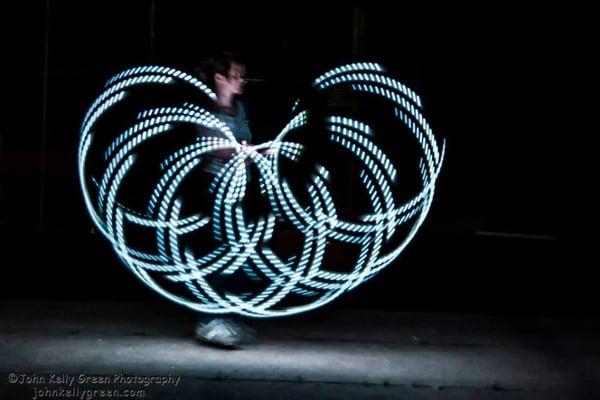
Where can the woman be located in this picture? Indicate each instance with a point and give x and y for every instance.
(227, 76)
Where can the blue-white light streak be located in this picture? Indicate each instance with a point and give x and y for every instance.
(243, 243)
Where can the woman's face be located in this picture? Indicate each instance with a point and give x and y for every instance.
(236, 78)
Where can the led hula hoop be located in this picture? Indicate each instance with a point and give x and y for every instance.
(357, 123)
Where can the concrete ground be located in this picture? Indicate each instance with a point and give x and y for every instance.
(92, 350)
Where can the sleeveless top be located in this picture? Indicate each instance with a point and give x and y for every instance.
(238, 123)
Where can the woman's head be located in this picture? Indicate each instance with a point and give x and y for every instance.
(228, 74)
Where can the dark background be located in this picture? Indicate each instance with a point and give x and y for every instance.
(509, 86)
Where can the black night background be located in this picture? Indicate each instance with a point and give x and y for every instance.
(508, 86)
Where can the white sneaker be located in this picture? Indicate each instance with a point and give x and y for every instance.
(219, 332)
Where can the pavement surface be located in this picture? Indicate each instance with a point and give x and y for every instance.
(133, 350)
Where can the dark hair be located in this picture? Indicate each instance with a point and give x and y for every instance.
(219, 64)
(222, 62)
